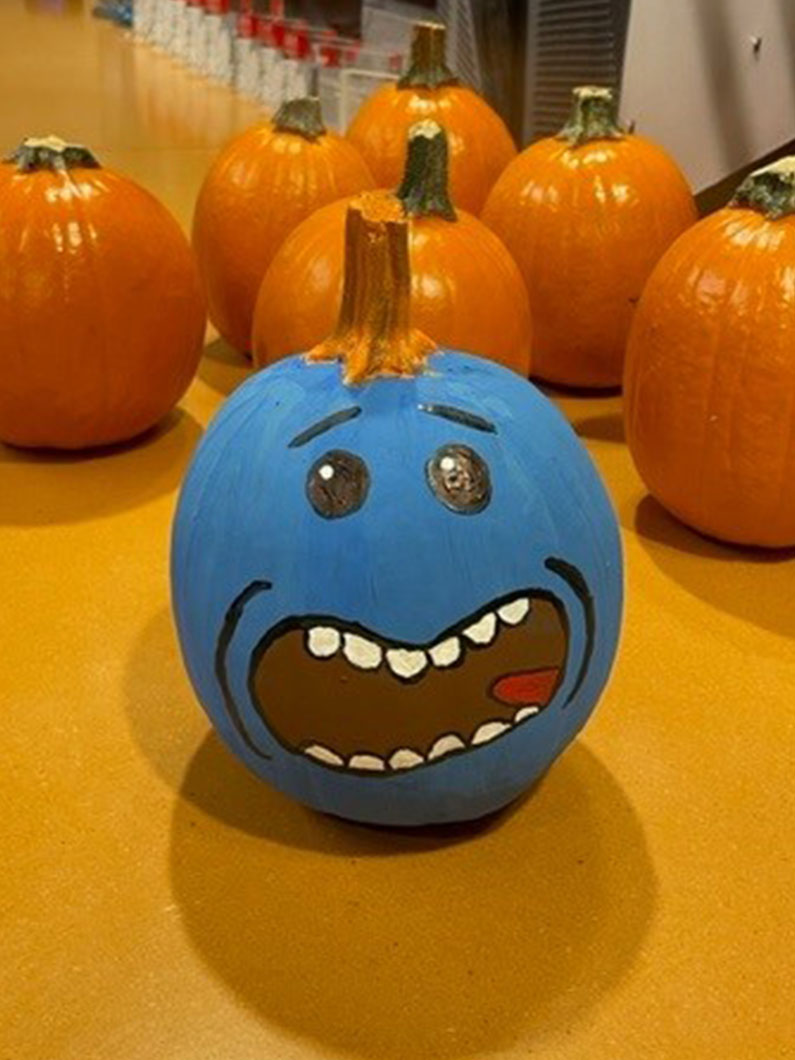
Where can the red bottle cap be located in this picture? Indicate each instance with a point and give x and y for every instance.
(296, 40)
(246, 25)
(265, 34)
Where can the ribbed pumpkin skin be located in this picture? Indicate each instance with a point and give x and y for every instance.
(259, 188)
(479, 141)
(466, 291)
(586, 225)
(710, 379)
(101, 311)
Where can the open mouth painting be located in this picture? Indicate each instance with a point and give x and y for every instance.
(484, 676)
(397, 579)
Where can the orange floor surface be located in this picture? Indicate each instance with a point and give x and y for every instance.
(158, 903)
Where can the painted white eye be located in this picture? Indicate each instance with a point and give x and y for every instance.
(337, 484)
(459, 478)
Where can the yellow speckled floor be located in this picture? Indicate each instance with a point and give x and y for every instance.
(157, 903)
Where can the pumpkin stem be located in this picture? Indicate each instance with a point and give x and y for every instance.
(593, 116)
(302, 116)
(770, 190)
(50, 152)
(424, 188)
(373, 335)
(428, 67)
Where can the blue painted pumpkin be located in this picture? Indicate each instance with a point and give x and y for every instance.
(399, 598)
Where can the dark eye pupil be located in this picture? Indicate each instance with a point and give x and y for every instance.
(337, 484)
(460, 479)
(457, 479)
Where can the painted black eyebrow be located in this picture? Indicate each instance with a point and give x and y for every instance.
(325, 425)
(466, 419)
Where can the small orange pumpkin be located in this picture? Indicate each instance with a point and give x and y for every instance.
(587, 214)
(466, 291)
(101, 311)
(710, 373)
(263, 183)
(480, 144)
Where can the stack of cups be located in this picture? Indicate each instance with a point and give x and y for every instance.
(246, 51)
(265, 56)
(220, 39)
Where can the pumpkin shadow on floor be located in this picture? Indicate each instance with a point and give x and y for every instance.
(429, 943)
(558, 390)
(163, 715)
(746, 582)
(223, 368)
(596, 416)
(41, 487)
(605, 428)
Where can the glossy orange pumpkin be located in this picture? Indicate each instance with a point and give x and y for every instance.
(480, 144)
(101, 311)
(586, 215)
(260, 187)
(710, 373)
(466, 291)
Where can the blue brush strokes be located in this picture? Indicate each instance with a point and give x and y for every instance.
(403, 565)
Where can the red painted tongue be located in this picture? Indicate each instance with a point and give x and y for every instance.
(526, 687)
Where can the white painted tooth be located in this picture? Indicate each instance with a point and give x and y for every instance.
(406, 663)
(405, 758)
(323, 642)
(446, 652)
(514, 612)
(323, 754)
(482, 631)
(362, 653)
(489, 730)
(523, 713)
(366, 761)
(444, 745)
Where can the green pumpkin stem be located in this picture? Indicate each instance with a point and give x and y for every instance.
(427, 66)
(50, 152)
(424, 190)
(593, 116)
(769, 190)
(373, 336)
(302, 116)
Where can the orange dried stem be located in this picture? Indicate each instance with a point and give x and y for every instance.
(53, 153)
(424, 188)
(302, 116)
(593, 116)
(428, 67)
(769, 190)
(373, 336)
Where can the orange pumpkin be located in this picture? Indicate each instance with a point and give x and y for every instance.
(586, 215)
(480, 144)
(710, 373)
(260, 187)
(466, 291)
(101, 311)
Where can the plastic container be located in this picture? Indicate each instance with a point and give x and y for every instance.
(219, 40)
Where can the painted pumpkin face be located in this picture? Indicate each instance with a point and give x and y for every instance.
(398, 602)
(398, 598)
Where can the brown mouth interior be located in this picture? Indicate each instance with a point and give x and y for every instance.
(307, 701)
